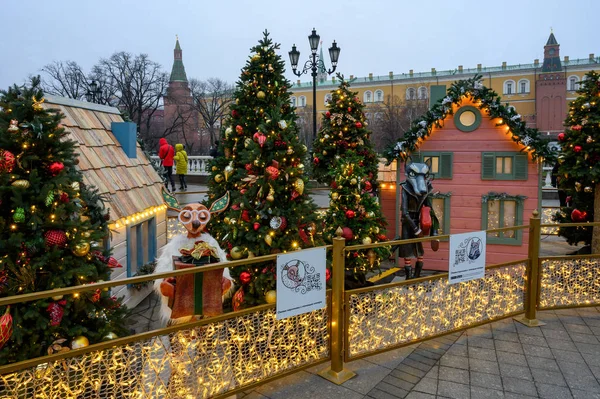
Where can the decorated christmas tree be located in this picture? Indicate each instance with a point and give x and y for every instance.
(270, 210)
(345, 160)
(52, 228)
(579, 170)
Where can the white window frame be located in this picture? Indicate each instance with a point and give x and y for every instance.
(293, 101)
(575, 86)
(411, 93)
(368, 97)
(422, 93)
(526, 82)
(506, 87)
(378, 98)
(302, 101)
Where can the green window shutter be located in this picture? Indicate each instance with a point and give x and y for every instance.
(488, 165)
(521, 166)
(445, 165)
(437, 92)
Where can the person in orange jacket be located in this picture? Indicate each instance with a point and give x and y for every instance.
(166, 152)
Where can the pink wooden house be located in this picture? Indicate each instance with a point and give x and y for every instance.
(486, 170)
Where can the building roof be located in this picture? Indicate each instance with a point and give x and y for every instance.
(178, 70)
(130, 185)
(551, 40)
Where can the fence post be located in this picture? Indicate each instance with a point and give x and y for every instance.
(532, 286)
(336, 373)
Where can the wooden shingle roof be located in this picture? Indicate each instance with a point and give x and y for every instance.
(130, 185)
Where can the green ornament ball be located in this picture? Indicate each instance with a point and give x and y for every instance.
(19, 215)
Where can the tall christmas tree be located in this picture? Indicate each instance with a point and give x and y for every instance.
(270, 210)
(51, 231)
(345, 160)
(579, 170)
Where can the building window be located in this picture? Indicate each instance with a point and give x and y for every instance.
(441, 163)
(368, 96)
(501, 210)
(302, 101)
(411, 94)
(573, 83)
(523, 86)
(327, 98)
(509, 87)
(379, 96)
(141, 245)
(440, 203)
(293, 101)
(422, 93)
(504, 166)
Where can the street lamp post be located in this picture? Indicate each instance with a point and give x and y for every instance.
(312, 65)
(93, 93)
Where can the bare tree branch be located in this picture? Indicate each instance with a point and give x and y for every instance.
(211, 99)
(66, 79)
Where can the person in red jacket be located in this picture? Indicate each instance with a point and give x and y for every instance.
(166, 153)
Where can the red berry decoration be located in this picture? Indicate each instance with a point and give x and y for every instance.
(561, 137)
(577, 148)
(245, 216)
(55, 168)
(350, 214)
(6, 327)
(245, 277)
(578, 216)
(256, 226)
(7, 161)
(64, 198)
(56, 238)
(347, 233)
(358, 125)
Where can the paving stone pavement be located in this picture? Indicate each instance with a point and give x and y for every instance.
(504, 359)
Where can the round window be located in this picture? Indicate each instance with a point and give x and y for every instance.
(467, 118)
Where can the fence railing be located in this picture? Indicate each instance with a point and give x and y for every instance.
(197, 164)
(219, 356)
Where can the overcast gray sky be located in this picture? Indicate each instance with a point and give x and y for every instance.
(375, 36)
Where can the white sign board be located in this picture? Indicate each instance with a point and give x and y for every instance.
(467, 257)
(300, 282)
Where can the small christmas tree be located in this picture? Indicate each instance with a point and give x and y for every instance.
(51, 231)
(270, 210)
(579, 170)
(344, 159)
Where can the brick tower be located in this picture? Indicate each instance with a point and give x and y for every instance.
(551, 91)
(181, 120)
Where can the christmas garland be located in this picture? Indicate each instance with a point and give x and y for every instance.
(491, 196)
(488, 100)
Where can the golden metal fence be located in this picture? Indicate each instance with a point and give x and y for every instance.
(209, 359)
(570, 281)
(403, 313)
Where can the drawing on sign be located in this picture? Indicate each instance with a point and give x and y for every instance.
(300, 277)
(468, 251)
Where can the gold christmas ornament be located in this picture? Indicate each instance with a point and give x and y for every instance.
(75, 185)
(247, 142)
(268, 240)
(334, 196)
(219, 178)
(57, 298)
(228, 171)
(299, 186)
(255, 57)
(353, 181)
(214, 168)
(271, 195)
(290, 151)
(366, 240)
(577, 186)
(587, 189)
(228, 132)
(21, 183)
(110, 336)
(260, 95)
(376, 230)
(79, 342)
(271, 296)
(236, 253)
(324, 152)
(226, 220)
(81, 249)
(372, 257)
(251, 254)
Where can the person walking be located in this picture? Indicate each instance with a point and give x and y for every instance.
(214, 150)
(181, 165)
(166, 154)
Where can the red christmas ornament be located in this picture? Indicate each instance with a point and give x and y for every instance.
(243, 191)
(333, 184)
(577, 148)
(382, 237)
(350, 214)
(272, 172)
(245, 277)
(327, 275)
(56, 311)
(235, 207)
(283, 223)
(561, 137)
(316, 160)
(6, 327)
(238, 299)
(97, 295)
(55, 168)
(256, 226)
(294, 195)
(349, 109)
(239, 129)
(64, 198)
(245, 216)
(578, 216)
(358, 125)
(262, 139)
(55, 238)
(328, 114)
(347, 233)
(113, 263)
(576, 127)
(234, 113)
(7, 161)
(255, 136)
(368, 186)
